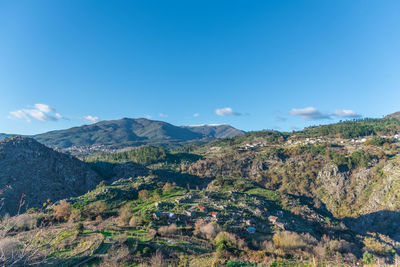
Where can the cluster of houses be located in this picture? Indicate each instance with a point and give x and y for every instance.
(307, 141)
(189, 216)
(85, 150)
(252, 145)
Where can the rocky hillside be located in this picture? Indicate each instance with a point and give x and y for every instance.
(31, 173)
(126, 132)
(395, 115)
(2, 136)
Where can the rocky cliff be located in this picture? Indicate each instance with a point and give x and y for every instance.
(31, 173)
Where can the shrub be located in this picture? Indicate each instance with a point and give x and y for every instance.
(96, 209)
(226, 242)
(157, 260)
(143, 194)
(288, 240)
(62, 211)
(333, 247)
(8, 247)
(23, 222)
(167, 186)
(135, 221)
(359, 158)
(368, 258)
(168, 230)
(373, 245)
(75, 215)
(125, 214)
(208, 231)
(79, 227)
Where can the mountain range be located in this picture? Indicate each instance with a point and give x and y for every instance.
(134, 132)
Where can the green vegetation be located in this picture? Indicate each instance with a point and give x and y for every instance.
(353, 129)
(142, 155)
(261, 199)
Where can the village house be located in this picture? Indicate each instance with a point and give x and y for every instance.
(275, 221)
(272, 219)
(189, 213)
(215, 214)
(159, 216)
(179, 200)
(202, 208)
(249, 222)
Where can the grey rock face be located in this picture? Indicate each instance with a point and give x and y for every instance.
(30, 169)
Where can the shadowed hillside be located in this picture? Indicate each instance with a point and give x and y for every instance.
(38, 173)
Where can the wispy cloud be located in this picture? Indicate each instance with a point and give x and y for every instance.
(280, 118)
(226, 112)
(91, 119)
(147, 116)
(40, 112)
(162, 115)
(347, 114)
(196, 115)
(309, 113)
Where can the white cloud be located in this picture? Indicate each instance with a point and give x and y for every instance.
(147, 116)
(91, 119)
(226, 112)
(347, 113)
(162, 115)
(19, 114)
(196, 115)
(44, 108)
(40, 112)
(309, 113)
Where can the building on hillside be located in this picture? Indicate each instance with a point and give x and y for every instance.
(189, 213)
(215, 214)
(159, 216)
(272, 219)
(202, 208)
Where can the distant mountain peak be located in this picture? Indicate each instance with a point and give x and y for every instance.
(129, 132)
(395, 115)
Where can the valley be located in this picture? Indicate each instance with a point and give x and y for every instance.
(326, 195)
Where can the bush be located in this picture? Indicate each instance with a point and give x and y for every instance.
(125, 214)
(135, 221)
(79, 227)
(75, 215)
(143, 194)
(226, 242)
(167, 186)
(23, 222)
(373, 245)
(208, 231)
(359, 158)
(368, 258)
(168, 230)
(8, 248)
(157, 260)
(96, 209)
(62, 211)
(288, 240)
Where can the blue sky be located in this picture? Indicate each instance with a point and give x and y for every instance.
(252, 64)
